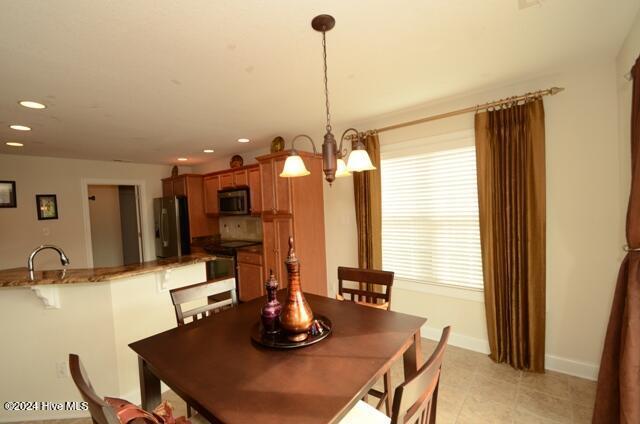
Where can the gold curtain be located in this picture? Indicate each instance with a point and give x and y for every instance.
(510, 155)
(367, 193)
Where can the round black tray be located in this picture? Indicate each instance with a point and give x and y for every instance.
(279, 340)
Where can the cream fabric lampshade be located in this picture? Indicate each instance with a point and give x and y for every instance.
(294, 167)
(342, 170)
(359, 161)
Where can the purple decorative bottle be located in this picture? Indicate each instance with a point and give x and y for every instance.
(271, 311)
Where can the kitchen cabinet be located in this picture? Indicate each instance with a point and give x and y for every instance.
(294, 207)
(226, 180)
(240, 178)
(275, 242)
(211, 187)
(255, 191)
(250, 274)
(192, 187)
(276, 190)
(248, 176)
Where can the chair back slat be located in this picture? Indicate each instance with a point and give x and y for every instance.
(416, 399)
(100, 410)
(374, 285)
(207, 290)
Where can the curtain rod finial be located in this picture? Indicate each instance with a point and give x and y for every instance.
(555, 90)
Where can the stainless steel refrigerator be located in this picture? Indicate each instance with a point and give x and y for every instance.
(171, 226)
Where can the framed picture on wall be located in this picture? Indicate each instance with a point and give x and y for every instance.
(8, 194)
(47, 206)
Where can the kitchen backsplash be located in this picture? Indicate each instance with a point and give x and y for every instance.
(241, 228)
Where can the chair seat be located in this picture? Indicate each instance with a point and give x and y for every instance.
(363, 413)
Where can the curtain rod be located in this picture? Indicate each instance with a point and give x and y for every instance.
(548, 92)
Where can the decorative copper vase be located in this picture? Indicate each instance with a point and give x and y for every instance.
(272, 309)
(296, 317)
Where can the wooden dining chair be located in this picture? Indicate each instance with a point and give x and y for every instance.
(374, 290)
(101, 412)
(374, 287)
(415, 400)
(210, 291)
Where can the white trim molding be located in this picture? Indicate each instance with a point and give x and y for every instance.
(552, 363)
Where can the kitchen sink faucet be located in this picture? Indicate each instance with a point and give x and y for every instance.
(63, 258)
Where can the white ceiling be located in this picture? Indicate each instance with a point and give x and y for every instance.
(152, 80)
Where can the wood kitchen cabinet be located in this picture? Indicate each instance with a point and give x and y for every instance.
(294, 207)
(248, 176)
(255, 190)
(226, 180)
(240, 178)
(276, 190)
(211, 187)
(192, 187)
(250, 273)
(275, 242)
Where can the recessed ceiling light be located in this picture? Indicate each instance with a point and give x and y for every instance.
(182, 159)
(208, 150)
(243, 140)
(32, 105)
(20, 127)
(14, 144)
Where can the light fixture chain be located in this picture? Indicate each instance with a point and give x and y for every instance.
(326, 80)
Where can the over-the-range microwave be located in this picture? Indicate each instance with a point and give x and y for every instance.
(233, 201)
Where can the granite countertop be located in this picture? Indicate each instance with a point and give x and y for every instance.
(17, 277)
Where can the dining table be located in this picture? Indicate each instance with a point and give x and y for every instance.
(214, 365)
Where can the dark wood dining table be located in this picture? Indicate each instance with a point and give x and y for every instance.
(216, 368)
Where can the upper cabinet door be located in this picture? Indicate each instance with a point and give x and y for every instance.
(240, 178)
(167, 187)
(180, 186)
(255, 191)
(211, 187)
(226, 180)
(268, 187)
(283, 188)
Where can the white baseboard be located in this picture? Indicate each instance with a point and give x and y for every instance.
(553, 363)
(456, 339)
(572, 367)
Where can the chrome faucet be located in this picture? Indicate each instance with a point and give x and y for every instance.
(63, 258)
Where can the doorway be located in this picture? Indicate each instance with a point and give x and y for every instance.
(114, 214)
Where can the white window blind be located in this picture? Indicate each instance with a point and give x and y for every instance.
(430, 229)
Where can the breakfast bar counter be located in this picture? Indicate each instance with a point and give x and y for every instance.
(16, 277)
(94, 313)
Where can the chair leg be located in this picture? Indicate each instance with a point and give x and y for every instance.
(188, 411)
(388, 390)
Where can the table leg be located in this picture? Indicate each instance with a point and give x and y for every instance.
(149, 387)
(412, 358)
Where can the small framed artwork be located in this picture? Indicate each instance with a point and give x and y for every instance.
(8, 194)
(47, 206)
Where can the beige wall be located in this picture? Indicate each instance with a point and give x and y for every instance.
(106, 230)
(626, 58)
(21, 231)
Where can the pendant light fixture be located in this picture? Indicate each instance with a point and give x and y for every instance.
(333, 164)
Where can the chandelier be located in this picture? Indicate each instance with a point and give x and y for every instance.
(333, 164)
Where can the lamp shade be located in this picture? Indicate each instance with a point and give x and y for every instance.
(359, 161)
(294, 167)
(342, 170)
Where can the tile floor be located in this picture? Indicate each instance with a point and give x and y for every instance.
(475, 390)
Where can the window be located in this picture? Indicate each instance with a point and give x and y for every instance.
(430, 228)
